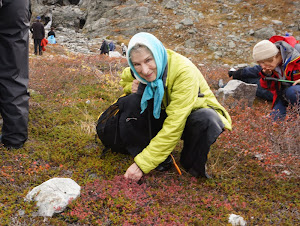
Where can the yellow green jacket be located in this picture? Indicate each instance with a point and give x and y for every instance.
(181, 88)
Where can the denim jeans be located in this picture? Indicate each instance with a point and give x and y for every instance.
(292, 95)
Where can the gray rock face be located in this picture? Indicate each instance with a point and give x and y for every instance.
(183, 23)
(236, 90)
(54, 195)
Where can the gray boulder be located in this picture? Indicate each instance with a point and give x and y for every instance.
(237, 91)
(264, 33)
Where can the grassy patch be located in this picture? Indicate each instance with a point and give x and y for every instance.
(69, 93)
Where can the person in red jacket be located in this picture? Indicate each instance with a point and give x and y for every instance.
(279, 60)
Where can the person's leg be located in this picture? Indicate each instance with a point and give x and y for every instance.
(292, 94)
(279, 110)
(263, 93)
(202, 128)
(36, 44)
(40, 47)
(14, 35)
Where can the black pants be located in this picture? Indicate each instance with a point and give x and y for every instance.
(37, 46)
(202, 128)
(14, 34)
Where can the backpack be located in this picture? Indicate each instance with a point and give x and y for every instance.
(122, 128)
(51, 39)
(107, 128)
(288, 39)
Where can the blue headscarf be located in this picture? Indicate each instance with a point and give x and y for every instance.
(153, 89)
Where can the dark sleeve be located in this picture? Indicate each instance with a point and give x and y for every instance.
(43, 31)
(251, 72)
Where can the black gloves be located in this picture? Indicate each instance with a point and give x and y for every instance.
(235, 74)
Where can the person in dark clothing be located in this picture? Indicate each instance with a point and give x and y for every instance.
(251, 75)
(38, 33)
(104, 49)
(112, 46)
(51, 32)
(14, 98)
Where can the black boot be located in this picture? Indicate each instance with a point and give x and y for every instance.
(198, 174)
(166, 165)
(9, 146)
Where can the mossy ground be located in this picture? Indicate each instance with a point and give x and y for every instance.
(68, 92)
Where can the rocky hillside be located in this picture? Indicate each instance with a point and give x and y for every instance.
(218, 31)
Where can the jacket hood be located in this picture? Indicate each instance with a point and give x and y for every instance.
(288, 53)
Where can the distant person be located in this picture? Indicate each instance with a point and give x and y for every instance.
(124, 49)
(38, 33)
(279, 60)
(51, 36)
(112, 46)
(14, 97)
(51, 32)
(104, 49)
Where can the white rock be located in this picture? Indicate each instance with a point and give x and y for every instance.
(236, 220)
(286, 172)
(114, 54)
(53, 195)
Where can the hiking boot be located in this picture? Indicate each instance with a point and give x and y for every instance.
(166, 165)
(197, 174)
(11, 146)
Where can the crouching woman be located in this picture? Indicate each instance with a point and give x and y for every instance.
(176, 103)
(280, 74)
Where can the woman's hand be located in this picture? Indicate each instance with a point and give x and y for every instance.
(133, 172)
(134, 86)
(296, 82)
(267, 72)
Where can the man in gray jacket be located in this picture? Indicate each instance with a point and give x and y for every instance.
(14, 97)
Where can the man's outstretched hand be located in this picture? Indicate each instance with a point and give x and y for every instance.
(296, 82)
(134, 172)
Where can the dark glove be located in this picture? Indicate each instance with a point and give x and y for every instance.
(235, 74)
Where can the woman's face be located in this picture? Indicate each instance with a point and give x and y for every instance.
(144, 63)
(271, 63)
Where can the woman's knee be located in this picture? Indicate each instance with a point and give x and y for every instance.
(293, 94)
(204, 118)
